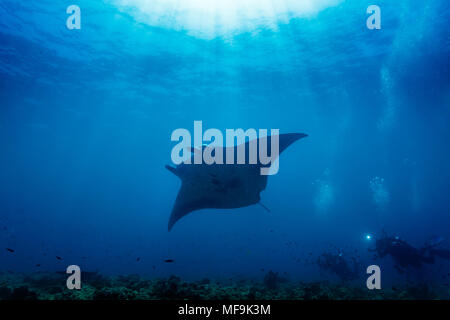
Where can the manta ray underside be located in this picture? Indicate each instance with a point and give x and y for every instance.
(222, 186)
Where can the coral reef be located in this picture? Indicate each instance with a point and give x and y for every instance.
(52, 286)
(272, 279)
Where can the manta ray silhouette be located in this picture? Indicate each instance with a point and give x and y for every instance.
(223, 186)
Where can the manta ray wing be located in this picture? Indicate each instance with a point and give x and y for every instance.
(221, 186)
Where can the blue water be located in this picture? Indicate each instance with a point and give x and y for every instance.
(86, 118)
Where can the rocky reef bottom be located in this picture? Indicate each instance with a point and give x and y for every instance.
(52, 286)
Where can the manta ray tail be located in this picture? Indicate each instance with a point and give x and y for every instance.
(267, 209)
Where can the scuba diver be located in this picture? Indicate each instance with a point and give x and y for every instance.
(335, 263)
(405, 255)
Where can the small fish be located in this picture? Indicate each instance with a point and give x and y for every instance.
(10, 250)
(38, 265)
(169, 261)
(138, 259)
(59, 258)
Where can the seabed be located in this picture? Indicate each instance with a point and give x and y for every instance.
(52, 286)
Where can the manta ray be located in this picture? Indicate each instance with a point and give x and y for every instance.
(222, 186)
